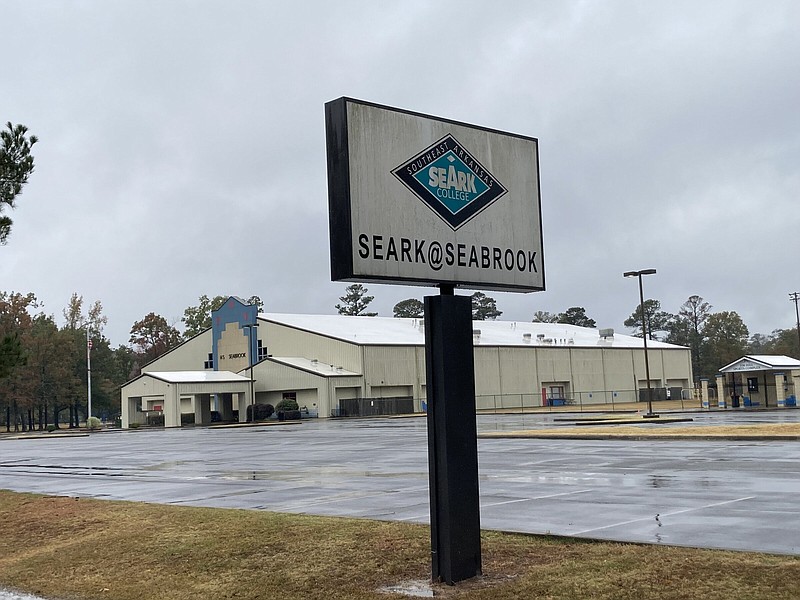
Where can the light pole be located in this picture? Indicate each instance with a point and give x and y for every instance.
(795, 296)
(250, 352)
(639, 274)
(88, 376)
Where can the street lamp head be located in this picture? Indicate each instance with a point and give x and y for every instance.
(639, 273)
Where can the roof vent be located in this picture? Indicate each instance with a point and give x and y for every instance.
(606, 333)
(476, 335)
(526, 337)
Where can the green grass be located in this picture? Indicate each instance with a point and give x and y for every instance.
(70, 548)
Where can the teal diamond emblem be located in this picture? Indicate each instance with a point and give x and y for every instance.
(450, 181)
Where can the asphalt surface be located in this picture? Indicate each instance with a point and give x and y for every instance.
(740, 495)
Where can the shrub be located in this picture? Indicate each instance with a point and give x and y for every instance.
(292, 415)
(133, 425)
(93, 423)
(287, 404)
(263, 411)
(51, 428)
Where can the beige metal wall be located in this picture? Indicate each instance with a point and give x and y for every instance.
(287, 341)
(315, 391)
(514, 376)
(144, 387)
(189, 356)
(391, 366)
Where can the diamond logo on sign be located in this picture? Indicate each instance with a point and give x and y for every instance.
(447, 178)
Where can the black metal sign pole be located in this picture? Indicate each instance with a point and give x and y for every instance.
(452, 438)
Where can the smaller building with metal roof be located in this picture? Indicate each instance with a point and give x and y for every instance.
(759, 381)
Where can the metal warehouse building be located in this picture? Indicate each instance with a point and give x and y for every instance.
(342, 366)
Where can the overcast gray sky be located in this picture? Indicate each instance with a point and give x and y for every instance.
(669, 137)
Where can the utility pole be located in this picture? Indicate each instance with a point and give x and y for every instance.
(795, 296)
(88, 374)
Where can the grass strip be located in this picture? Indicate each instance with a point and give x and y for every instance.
(82, 548)
(646, 429)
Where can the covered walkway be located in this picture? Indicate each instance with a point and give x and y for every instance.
(176, 393)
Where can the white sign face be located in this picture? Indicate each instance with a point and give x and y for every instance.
(747, 365)
(420, 200)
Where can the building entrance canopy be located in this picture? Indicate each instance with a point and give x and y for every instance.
(762, 363)
(178, 392)
(759, 381)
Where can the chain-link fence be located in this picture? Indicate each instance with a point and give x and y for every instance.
(372, 407)
(594, 401)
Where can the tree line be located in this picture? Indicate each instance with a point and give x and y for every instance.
(44, 361)
(715, 339)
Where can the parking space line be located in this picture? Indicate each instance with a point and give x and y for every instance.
(666, 514)
(516, 500)
(505, 502)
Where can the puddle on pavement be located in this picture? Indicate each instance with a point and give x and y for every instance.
(163, 466)
(307, 474)
(661, 481)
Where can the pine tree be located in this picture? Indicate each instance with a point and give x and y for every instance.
(16, 165)
(484, 308)
(409, 309)
(355, 302)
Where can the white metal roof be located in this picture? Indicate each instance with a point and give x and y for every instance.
(313, 365)
(762, 362)
(197, 376)
(411, 332)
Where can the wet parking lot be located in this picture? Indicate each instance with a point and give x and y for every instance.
(718, 494)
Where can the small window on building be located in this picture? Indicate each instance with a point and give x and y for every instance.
(752, 384)
(290, 396)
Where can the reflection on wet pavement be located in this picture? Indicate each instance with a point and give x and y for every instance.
(727, 494)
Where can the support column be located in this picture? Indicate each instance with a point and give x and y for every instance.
(125, 418)
(704, 392)
(722, 400)
(452, 439)
(241, 402)
(780, 393)
(202, 409)
(172, 407)
(225, 406)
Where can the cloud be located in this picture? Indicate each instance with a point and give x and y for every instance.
(182, 145)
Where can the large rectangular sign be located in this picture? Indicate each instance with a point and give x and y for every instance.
(421, 200)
